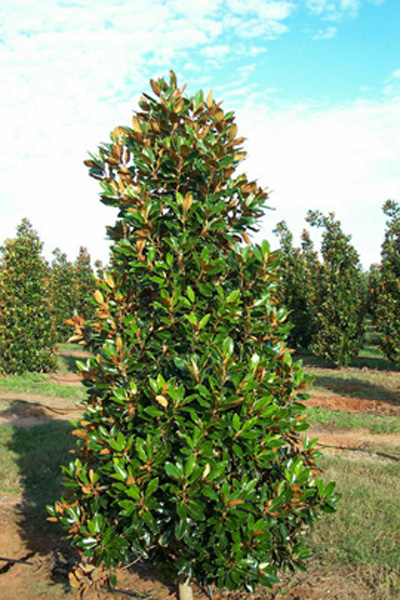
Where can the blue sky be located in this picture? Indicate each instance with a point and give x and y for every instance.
(315, 85)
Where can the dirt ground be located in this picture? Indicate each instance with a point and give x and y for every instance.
(42, 572)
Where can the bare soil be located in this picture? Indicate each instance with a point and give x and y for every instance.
(352, 404)
(46, 574)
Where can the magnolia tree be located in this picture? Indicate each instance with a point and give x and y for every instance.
(64, 293)
(190, 452)
(387, 297)
(298, 286)
(27, 332)
(341, 307)
(86, 284)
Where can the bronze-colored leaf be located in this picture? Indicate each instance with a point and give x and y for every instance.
(110, 280)
(140, 244)
(91, 164)
(117, 133)
(155, 87)
(137, 128)
(173, 78)
(209, 98)
(235, 502)
(98, 296)
(219, 115)
(233, 131)
(187, 202)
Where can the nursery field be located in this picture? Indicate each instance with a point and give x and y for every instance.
(354, 412)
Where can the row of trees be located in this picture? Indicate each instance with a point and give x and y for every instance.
(329, 299)
(36, 298)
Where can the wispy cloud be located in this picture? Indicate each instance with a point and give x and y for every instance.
(325, 34)
(334, 10)
(392, 84)
(69, 69)
(342, 159)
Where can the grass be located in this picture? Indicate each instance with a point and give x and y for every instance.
(38, 383)
(374, 423)
(68, 356)
(30, 458)
(364, 534)
(370, 385)
(30, 462)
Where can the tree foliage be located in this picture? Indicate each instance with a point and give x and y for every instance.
(64, 293)
(387, 300)
(341, 304)
(86, 284)
(298, 289)
(189, 451)
(27, 335)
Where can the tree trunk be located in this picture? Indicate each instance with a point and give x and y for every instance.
(185, 590)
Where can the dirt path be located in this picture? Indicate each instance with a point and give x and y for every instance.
(351, 404)
(27, 410)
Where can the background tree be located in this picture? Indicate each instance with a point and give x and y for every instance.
(27, 334)
(297, 288)
(189, 451)
(100, 269)
(64, 293)
(387, 307)
(86, 284)
(373, 278)
(340, 317)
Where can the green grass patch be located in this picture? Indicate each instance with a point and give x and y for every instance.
(375, 423)
(365, 531)
(68, 355)
(30, 458)
(38, 383)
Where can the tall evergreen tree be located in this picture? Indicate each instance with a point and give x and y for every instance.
(297, 289)
(86, 284)
(387, 307)
(64, 293)
(189, 452)
(340, 317)
(27, 333)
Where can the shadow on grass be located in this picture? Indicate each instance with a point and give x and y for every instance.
(39, 452)
(378, 363)
(355, 387)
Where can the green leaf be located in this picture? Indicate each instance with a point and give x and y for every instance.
(173, 471)
(203, 322)
(233, 297)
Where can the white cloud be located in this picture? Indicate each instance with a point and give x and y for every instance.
(334, 10)
(69, 69)
(338, 159)
(392, 84)
(325, 34)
